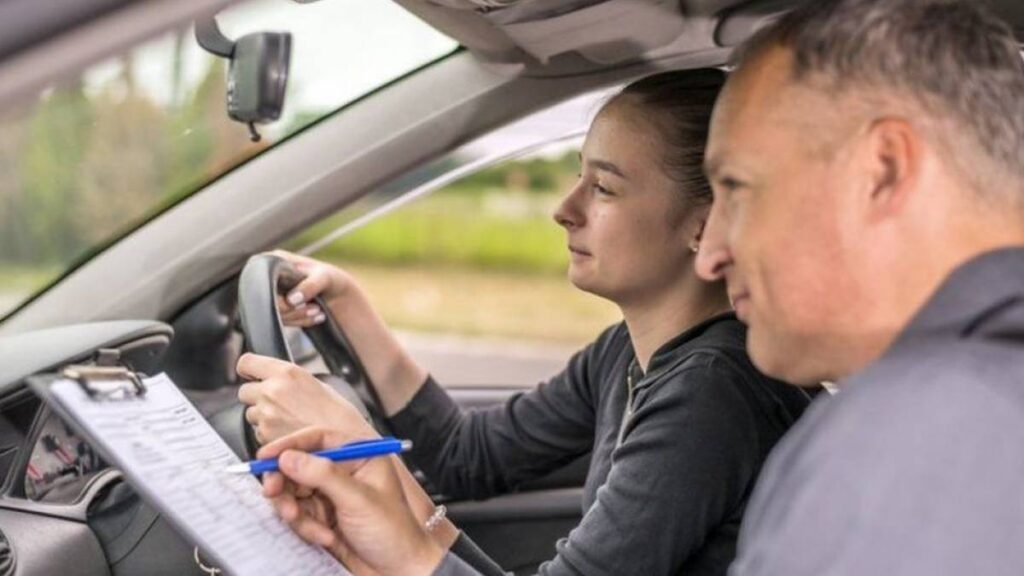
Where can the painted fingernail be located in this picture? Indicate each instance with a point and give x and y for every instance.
(319, 319)
(295, 298)
(313, 312)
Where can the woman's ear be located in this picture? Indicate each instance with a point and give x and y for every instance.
(694, 243)
(697, 221)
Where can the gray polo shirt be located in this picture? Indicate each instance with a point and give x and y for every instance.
(916, 467)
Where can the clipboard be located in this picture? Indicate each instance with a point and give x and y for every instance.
(176, 462)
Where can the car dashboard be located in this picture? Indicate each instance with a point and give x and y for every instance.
(62, 508)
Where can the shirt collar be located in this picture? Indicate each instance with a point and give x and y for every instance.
(984, 283)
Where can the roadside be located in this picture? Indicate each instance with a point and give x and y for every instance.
(540, 308)
(456, 361)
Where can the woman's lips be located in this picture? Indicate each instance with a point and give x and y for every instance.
(578, 251)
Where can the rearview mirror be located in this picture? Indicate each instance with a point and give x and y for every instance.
(257, 75)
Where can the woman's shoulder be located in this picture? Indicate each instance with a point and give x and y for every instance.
(717, 365)
(719, 342)
(612, 339)
(591, 363)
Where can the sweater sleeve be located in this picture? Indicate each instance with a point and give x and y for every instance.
(684, 466)
(452, 565)
(480, 453)
(471, 554)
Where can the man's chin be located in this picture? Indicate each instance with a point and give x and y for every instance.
(773, 357)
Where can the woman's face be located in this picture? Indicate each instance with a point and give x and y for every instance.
(630, 231)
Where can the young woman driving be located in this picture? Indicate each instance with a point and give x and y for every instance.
(677, 420)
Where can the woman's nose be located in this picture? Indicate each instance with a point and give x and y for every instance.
(569, 213)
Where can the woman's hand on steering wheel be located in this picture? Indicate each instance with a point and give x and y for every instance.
(329, 282)
(283, 397)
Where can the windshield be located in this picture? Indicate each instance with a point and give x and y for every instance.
(91, 159)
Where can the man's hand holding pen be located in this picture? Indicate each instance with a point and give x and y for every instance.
(356, 510)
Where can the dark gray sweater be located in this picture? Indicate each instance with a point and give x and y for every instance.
(669, 497)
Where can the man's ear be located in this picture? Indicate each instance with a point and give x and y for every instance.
(893, 156)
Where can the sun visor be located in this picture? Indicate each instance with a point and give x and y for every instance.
(602, 31)
(738, 24)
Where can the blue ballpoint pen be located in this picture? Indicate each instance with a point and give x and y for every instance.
(352, 451)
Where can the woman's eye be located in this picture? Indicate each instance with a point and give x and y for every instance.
(729, 183)
(598, 189)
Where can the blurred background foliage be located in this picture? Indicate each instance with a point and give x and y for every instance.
(83, 165)
(498, 218)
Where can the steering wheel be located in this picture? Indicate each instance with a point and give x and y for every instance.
(263, 278)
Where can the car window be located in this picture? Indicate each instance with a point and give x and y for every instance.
(464, 260)
(89, 160)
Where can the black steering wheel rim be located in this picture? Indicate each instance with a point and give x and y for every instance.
(262, 279)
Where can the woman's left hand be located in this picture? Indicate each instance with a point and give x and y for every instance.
(283, 397)
(355, 510)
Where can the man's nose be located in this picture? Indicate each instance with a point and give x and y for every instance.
(713, 256)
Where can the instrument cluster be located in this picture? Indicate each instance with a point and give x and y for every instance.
(61, 464)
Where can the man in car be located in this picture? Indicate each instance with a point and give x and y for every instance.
(867, 159)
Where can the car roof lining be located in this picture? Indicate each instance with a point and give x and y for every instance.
(28, 22)
(60, 43)
(532, 32)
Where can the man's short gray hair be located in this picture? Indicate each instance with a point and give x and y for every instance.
(956, 60)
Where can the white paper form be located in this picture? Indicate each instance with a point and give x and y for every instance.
(176, 461)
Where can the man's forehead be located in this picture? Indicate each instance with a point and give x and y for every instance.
(760, 86)
(758, 100)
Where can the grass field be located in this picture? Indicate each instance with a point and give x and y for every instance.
(501, 231)
(479, 303)
(472, 263)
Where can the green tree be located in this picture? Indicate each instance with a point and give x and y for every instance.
(123, 167)
(56, 140)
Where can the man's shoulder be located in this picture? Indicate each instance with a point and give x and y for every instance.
(938, 378)
(888, 468)
(929, 397)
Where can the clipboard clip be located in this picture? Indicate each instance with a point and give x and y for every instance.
(107, 378)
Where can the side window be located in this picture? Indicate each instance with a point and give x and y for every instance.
(471, 274)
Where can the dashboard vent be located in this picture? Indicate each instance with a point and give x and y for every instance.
(6, 556)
